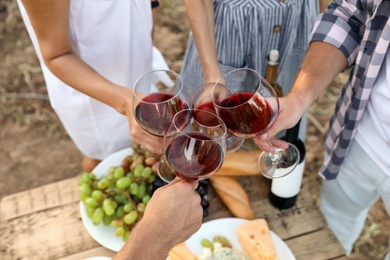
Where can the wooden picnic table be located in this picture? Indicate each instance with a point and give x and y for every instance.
(45, 223)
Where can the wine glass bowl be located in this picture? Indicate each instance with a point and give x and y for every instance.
(158, 96)
(249, 106)
(201, 99)
(194, 145)
(246, 102)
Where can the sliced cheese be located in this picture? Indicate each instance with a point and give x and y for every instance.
(256, 240)
(181, 252)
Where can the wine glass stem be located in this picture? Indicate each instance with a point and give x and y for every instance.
(275, 157)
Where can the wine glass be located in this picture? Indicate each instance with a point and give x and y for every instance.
(194, 145)
(201, 99)
(249, 106)
(158, 96)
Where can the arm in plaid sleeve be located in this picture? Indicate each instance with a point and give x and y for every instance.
(342, 25)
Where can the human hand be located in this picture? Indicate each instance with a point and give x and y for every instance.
(289, 114)
(202, 95)
(172, 215)
(219, 91)
(175, 211)
(138, 135)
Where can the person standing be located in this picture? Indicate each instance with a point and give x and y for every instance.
(91, 54)
(230, 34)
(356, 170)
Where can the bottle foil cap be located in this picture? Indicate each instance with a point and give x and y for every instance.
(273, 57)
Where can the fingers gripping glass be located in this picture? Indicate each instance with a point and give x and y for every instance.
(157, 96)
(249, 106)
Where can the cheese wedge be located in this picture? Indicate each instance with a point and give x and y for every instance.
(181, 252)
(255, 239)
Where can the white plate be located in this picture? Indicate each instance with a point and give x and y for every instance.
(105, 235)
(227, 227)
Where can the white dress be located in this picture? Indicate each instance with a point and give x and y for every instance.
(113, 37)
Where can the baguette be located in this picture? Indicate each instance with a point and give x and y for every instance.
(233, 195)
(240, 163)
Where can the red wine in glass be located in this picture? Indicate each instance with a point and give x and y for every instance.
(246, 114)
(154, 114)
(208, 106)
(194, 145)
(194, 156)
(201, 98)
(206, 118)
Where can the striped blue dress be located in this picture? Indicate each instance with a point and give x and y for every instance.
(247, 30)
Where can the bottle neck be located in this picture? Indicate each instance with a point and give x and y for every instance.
(272, 73)
(271, 76)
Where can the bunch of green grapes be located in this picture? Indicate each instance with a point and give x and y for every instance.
(120, 197)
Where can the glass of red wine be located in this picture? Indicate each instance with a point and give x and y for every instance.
(201, 99)
(194, 145)
(249, 106)
(158, 96)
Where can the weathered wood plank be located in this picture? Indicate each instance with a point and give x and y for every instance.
(41, 198)
(318, 245)
(45, 223)
(47, 234)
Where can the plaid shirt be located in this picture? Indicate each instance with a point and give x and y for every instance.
(361, 30)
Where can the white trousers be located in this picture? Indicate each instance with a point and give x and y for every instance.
(346, 200)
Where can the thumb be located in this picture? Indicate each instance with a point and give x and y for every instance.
(194, 184)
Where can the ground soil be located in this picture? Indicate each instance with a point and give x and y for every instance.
(35, 149)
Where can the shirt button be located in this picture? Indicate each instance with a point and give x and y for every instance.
(277, 28)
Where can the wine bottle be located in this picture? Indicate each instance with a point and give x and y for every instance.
(284, 191)
(271, 74)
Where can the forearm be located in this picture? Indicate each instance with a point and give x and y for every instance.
(323, 4)
(172, 215)
(200, 15)
(77, 74)
(322, 63)
(144, 244)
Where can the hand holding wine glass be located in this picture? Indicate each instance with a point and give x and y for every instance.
(157, 96)
(289, 115)
(250, 109)
(194, 145)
